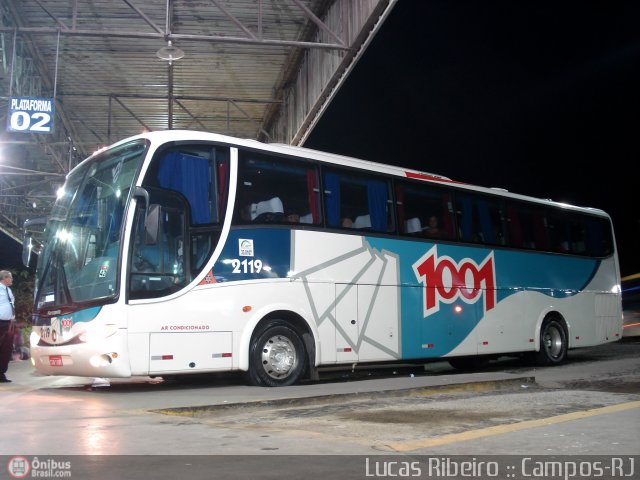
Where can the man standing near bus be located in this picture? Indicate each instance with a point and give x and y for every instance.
(7, 318)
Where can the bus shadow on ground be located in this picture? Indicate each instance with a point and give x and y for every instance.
(514, 365)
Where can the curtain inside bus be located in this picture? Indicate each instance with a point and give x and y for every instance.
(377, 198)
(189, 175)
(312, 193)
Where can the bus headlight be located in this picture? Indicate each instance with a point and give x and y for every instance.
(100, 361)
(96, 333)
(34, 338)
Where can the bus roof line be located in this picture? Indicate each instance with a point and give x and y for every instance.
(333, 158)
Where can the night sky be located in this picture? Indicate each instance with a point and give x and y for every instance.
(10, 253)
(540, 98)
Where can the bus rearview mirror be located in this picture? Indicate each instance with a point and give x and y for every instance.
(29, 243)
(27, 246)
(152, 224)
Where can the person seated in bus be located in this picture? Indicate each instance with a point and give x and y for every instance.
(346, 222)
(292, 217)
(433, 228)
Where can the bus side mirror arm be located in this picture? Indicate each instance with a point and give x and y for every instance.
(140, 192)
(152, 224)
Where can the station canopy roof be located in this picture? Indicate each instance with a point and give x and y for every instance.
(261, 69)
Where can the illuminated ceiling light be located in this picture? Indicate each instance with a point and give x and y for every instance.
(170, 53)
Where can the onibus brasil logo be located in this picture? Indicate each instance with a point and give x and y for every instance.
(446, 280)
(21, 467)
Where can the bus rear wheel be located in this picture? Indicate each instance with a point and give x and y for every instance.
(277, 356)
(553, 343)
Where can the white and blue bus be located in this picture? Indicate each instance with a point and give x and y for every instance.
(187, 252)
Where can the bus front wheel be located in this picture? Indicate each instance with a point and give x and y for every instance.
(276, 356)
(553, 343)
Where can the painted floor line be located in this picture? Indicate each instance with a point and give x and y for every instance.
(513, 427)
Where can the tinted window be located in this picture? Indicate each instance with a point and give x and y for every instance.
(199, 172)
(424, 211)
(357, 201)
(527, 226)
(598, 237)
(275, 190)
(480, 219)
(557, 230)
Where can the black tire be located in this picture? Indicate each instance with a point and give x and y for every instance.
(468, 363)
(553, 343)
(277, 356)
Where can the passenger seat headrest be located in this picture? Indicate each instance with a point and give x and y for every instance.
(268, 206)
(413, 225)
(363, 221)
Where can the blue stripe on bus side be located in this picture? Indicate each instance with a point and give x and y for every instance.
(443, 329)
(271, 247)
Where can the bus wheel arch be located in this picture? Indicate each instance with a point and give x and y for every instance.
(281, 350)
(553, 343)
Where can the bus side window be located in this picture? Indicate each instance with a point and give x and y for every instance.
(157, 269)
(598, 237)
(521, 222)
(273, 189)
(568, 233)
(424, 210)
(480, 219)
(357, 201)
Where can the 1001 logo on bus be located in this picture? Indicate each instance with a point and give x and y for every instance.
(446, 280)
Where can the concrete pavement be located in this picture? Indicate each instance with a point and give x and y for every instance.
(228, 389)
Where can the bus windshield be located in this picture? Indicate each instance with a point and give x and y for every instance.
(83, 234)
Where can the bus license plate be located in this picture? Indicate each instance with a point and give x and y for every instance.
(55, 360)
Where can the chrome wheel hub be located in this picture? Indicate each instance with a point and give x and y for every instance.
(279, 357)
(552, 342)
